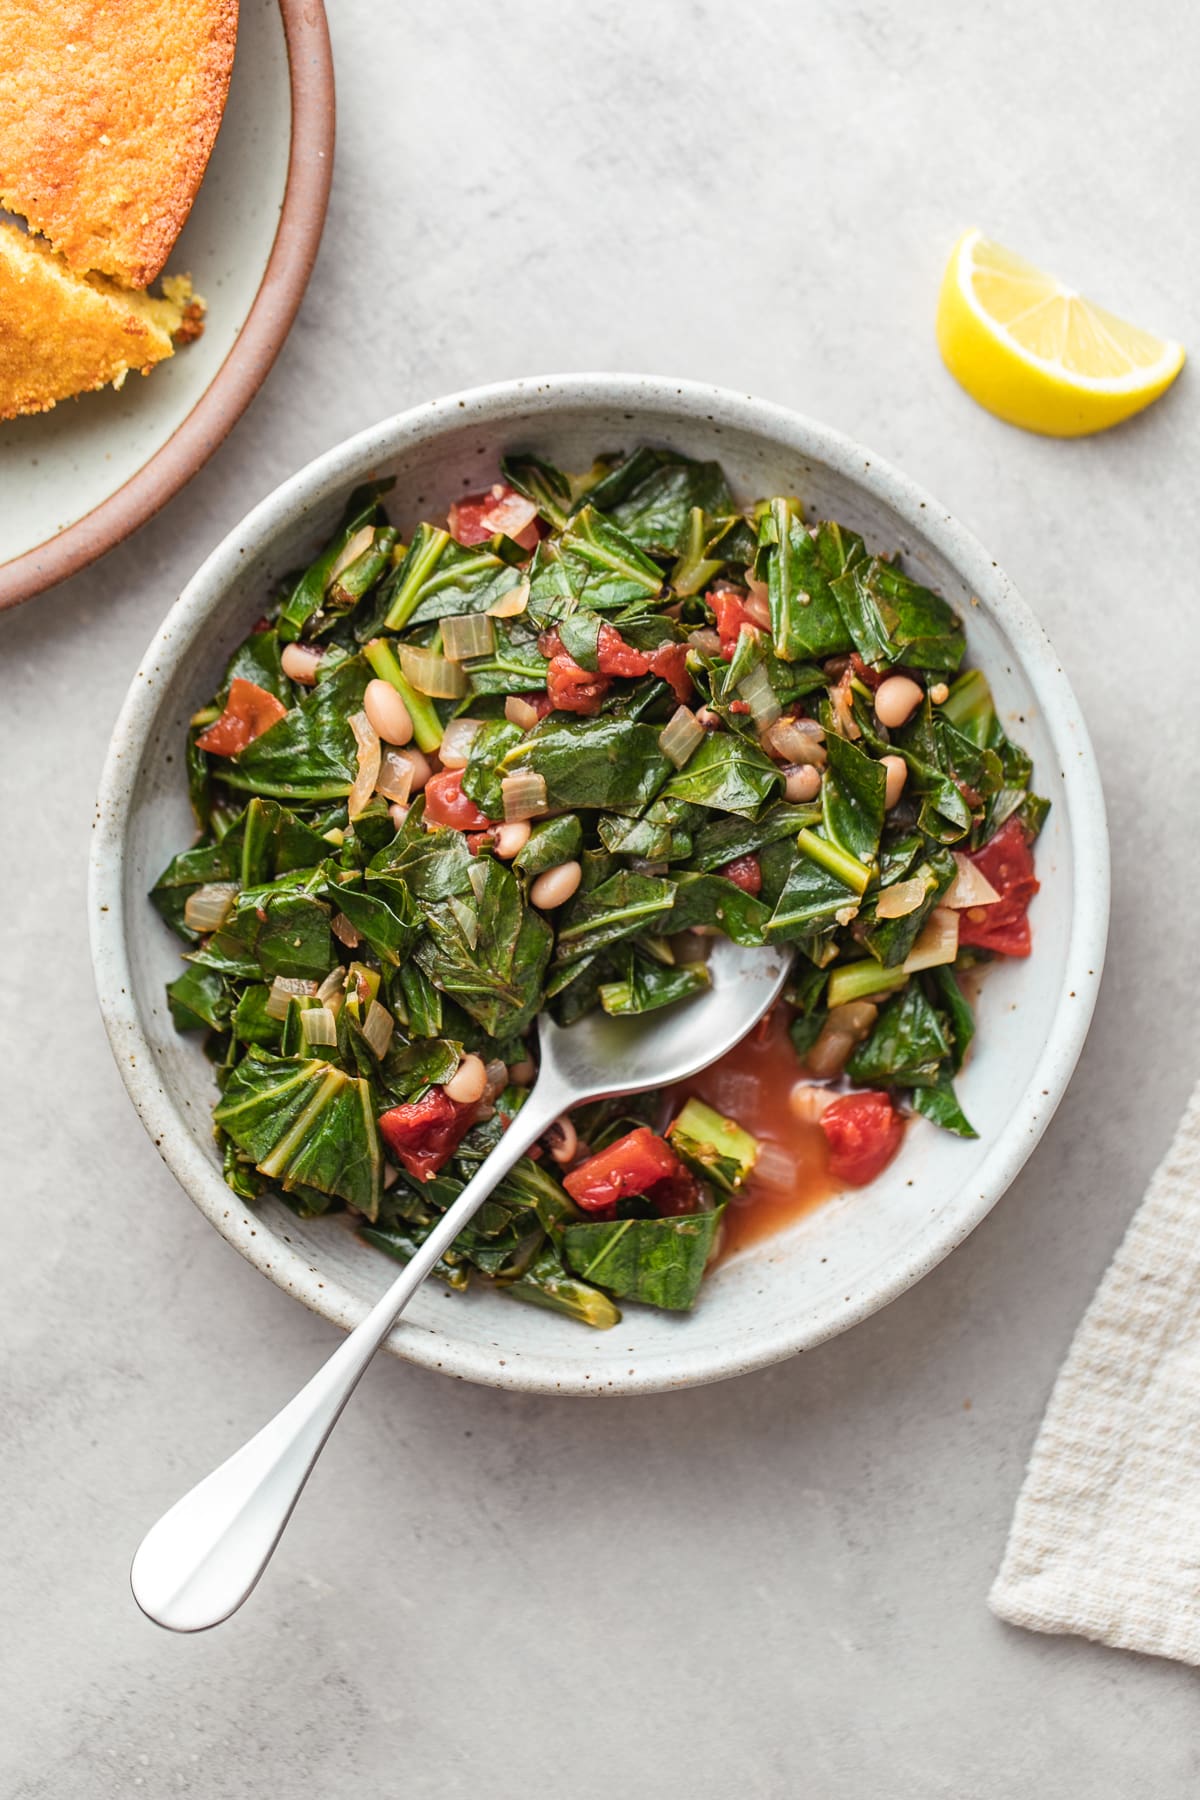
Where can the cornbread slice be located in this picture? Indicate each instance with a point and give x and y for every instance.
(108, 112)
(63, 334)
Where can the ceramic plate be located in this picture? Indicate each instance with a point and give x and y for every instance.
(78, 479)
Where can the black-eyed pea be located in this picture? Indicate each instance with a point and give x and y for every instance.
(468, 1082)
(897, 775)
(896, 700)
(387, 712)
(300, 662)
(555, 887)
(801, 782)
(511, 838)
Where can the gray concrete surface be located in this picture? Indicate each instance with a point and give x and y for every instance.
(775, 1587)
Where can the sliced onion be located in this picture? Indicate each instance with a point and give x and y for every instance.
(345, 932)
(902, 898)
(467, 634)
(318, 1025)
(759, 589)
(757, 609)
(843, 711)
(378, 1027)
(970, 886)
(681, 736)
(775, 1167)
(432, 674)
(524, 795)
(395, 777)
(455, 747)
(361, 540)
(511, 603)
(760, 696)
(330, 991)
(285, 989)
(705, 640)
(799, 741)
(207, 908)
(477, 876)
(497, 1079)
(520, 712)
(367, 739)
(937, 944)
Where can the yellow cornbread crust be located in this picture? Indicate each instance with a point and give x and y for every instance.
(108, 113)
(64, 334)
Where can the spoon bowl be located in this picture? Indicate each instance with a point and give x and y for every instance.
(600, 1056)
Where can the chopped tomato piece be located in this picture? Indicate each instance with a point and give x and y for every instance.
(249, 711)
(478, 517)
(1007, 862)
(732, 618)
(669, 663)
(423, 1134)
(446, 804)
(863, 1132)
(866, 674)
(638, 1163)
(572, 689)
(744, 872)
(615, 657)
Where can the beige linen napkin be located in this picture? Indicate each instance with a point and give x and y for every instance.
(1105, 1541)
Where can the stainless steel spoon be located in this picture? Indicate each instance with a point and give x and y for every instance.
(196, 1566)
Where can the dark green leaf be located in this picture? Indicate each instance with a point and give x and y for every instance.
(727, 773)
(311, 753)
(489, 955)
(658, 1261)
(622, 906)
(806, 620)
(606, 763)
(907, 1045)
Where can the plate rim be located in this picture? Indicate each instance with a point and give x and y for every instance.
(258, 343)
(500, 1365)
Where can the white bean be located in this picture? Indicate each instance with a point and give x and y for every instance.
(564, 1140)
(399, 813)
(511, 838)
(422, 768)
(801, 782)
(300, 662)
(756, 608)
(468, 1081)
(897, 775)
(387, 712)
(896, 699)
(520, 712)
(807, 1103)
(556, 886)
(522, 1073)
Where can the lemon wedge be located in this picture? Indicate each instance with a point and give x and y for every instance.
(1038, 354)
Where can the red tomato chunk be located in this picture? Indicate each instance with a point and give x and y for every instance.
(572, 689)
(478, 517)
(863, 1132)
(732, 618)
(744, 872)
(1007, 862)
(446, 804)
(249, 711)
(639, 1163)
(423, 1134)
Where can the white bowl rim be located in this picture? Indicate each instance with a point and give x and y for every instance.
(536, 1372)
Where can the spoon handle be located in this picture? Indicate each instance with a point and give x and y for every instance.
(204, 1556)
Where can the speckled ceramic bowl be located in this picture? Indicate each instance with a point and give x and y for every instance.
(836, 1264)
